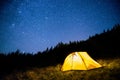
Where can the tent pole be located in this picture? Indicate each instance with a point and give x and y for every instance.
(84, 62)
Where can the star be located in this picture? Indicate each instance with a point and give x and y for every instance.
(19, 11)
(23, 32)
(47, 22)
(13, 24)
(46, 17)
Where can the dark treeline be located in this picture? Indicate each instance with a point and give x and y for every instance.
(103, 45)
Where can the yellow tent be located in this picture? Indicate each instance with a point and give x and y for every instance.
(79, 61)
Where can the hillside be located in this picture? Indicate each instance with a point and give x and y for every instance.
(109, 71)
(99, 46)
(106, 44)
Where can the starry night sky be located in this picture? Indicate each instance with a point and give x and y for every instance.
(34, 25)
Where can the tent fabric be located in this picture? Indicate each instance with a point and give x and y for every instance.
(79, 61)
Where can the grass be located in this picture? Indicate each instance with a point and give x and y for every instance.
(109, 71)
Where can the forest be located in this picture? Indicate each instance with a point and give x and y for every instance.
(99, 46)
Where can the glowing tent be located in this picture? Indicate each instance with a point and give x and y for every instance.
(79, 61)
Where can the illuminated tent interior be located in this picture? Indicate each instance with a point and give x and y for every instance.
(79, 61)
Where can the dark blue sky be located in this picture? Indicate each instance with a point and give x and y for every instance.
(34, 25)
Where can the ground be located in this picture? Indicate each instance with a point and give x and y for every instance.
(109, 71)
